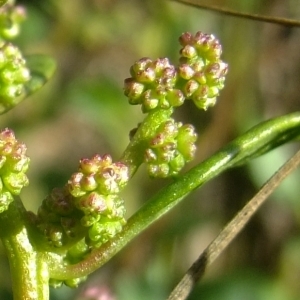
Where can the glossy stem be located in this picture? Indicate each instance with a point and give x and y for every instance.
(29, 271)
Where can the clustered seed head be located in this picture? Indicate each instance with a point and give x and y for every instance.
(13, 76)
(96, 189)
(201, 70)
(13, 165)
(171, 148)
(11, 17)
(153, 85)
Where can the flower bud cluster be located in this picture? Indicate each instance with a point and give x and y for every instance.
(170, 149)
(96, 189)
(13, 166)
(201, 70)
(10, 19)
(153, 85)
(13, 76)
(58, 219)
(89, 206)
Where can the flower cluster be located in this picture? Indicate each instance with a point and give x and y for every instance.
(171, 148)
(200, 76)
(10, 18)
(201, 70)
(96, 189)
(153, 85)
(88, 206)
(58, 219)
(13, 166)
(13, 76)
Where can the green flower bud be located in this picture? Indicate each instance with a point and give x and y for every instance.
(171, 148)
(55, 283)
(77, 252)
(104, 230)
(13, 165)
(73, 283)
(153, 85)
(10, 19)
(13, 76)
(201, 72)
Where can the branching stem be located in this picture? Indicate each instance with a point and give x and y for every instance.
(256, 141)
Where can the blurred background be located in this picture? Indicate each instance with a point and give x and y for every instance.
(82, 111)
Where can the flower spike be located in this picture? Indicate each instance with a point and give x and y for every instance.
(201, 69)
(13, 166)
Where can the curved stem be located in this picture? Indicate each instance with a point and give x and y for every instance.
(232, 229)
(258, 140)
(255, 17)
(28, 267)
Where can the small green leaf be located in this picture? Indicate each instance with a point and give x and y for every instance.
(42, 68)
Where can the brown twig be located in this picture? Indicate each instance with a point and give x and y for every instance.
(256, 17)
(196, 271)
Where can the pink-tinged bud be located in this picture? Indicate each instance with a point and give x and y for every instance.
(186, 39)
(91, 203)
(201, 70)
(153, 85)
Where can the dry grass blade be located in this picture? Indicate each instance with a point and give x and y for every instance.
(196, 271)
(229, 12)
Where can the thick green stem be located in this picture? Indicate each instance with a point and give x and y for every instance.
(256, 141)
(29, 271)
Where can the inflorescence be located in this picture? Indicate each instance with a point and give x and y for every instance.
(13, 166)
(14, 73)
(157, 84)
(199, 76)
(89, 211)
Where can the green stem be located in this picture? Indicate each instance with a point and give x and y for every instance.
(256, 141)
(28, 268)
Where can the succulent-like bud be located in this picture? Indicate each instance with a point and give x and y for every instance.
(13, 76)
(13, 166)
(202, 71)
(153, 85)
(10, 19)
(171, 148)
